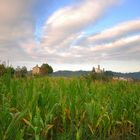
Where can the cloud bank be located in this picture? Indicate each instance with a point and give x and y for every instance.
(17, 24)
(65, 39)
(66, 24)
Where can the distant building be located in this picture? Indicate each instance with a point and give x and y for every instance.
(98, 70)
(117, 78)
(36, 70)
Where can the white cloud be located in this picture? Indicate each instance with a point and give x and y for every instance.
(64, 39)
(123, 48)
(68, 22)
(13, 12)
(67, 25)
(118, 31)
(16, 25)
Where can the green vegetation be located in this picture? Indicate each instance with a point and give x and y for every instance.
(68, 109)
(106, 76)
(6, 70)
(46, 69)
(2, 70)
(21, 72)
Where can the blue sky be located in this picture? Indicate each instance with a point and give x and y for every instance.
(71, 34)
(125, 10)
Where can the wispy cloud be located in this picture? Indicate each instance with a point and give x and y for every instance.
(65, 39)
(118, 31)
(67, 23)
(66, 26)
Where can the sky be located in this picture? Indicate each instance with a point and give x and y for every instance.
(71, 34)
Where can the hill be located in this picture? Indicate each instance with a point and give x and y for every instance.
(66, 73)
(134, 75)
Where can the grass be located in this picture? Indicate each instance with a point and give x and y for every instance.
(68, 108)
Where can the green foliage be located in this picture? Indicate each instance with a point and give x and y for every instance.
(2, 69)
(10, 70)
(46, 69)
(106, 76)
(108, 73)
(68, 108)
(6, 70)
(101, 76)
(21, 72)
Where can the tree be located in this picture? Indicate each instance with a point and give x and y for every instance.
(24, 71)
(2, 70)
(10, 70)
(109, 73)
(18, 71)
(46, 69)
(21, 72)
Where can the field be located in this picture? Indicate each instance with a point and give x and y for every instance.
(68, 109)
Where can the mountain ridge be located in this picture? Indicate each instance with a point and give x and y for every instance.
(69, 73)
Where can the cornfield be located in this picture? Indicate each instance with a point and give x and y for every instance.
(68, 109)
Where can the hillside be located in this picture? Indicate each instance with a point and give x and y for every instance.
(134, 75)
(66, 73)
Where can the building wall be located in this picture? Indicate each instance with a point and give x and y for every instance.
(122, 79)
(36, 70)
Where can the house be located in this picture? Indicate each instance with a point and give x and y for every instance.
(36, 70)
(117, 78)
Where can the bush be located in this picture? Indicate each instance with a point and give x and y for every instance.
(46, 69)
(2, 70)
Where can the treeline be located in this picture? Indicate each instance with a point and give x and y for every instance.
(22, 71)
(18, 72)
(104, 76)
(46, 69)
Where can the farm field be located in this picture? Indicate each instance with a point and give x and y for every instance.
(68, 109)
